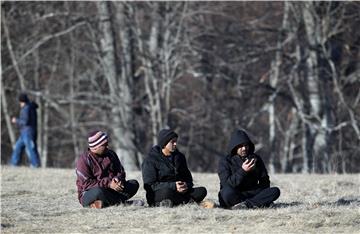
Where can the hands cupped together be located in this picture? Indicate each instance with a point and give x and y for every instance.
(181, 186)
(116, 185)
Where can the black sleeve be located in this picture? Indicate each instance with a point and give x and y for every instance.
(264, 181)
(150, 177)
(227, 177)
(184, 171)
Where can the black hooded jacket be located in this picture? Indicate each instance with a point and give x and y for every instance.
(27, 120)
(159, 173)
(230, 169)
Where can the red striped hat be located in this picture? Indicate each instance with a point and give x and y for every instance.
(96, 139)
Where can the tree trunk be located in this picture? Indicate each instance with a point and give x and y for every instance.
(119, 92)
(126, 82)
(289, 145)
(7, 118)
(274, 77)
(44, 152)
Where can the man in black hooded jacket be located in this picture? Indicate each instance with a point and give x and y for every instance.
(244, 181)
(167, 179)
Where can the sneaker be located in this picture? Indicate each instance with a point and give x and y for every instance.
(165, 203)
(98, 204)
(239, 206)
(135, 203)
(208, 204)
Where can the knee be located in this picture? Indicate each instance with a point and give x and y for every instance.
(93, 194)
(134, 183)
(198, 194)
(227, 192)
(276, 192)
(202, 191)
(226, 196)
(98, 192)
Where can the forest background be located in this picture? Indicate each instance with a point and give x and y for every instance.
(286, 72)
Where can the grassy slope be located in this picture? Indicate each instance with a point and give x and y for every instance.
(45, 201)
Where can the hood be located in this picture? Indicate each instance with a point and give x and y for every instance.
(155, 151)
(33, 105)
(239, 137)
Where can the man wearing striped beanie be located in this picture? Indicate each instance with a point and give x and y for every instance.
(100, 175)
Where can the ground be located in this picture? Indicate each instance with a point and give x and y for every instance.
(45, 201)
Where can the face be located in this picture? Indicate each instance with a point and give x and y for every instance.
(243, 150)
(100, 150)
(171, 145)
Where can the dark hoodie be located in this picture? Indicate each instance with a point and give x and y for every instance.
(27, 120)
(230, 167)
(160, 173)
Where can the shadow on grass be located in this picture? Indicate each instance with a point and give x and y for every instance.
(339, 202)
(346, 202)
(285, 204)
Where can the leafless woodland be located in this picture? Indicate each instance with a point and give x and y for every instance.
(286, 72)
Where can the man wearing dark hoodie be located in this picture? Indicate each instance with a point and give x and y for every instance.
(244, 181)
(27, 122)
(167, 179)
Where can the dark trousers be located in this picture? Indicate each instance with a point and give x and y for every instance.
(196, 194)
(109, 196)
(262, 197)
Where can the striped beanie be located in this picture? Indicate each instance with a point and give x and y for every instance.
(96, 139)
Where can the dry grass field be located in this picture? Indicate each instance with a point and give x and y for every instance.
(45, 201)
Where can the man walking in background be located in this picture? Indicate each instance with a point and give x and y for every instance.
(167, 179)
(27, 122)
(244, 181)
(101, 177)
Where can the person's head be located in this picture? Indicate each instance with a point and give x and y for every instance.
(242, 150)
(240, 144)
(23, 99)
(167, 140)
(98, 142)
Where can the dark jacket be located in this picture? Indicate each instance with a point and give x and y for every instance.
(230, 167)
(159, 172)
(95, 171)
(27, 120)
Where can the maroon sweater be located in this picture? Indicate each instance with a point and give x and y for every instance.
(97, 171)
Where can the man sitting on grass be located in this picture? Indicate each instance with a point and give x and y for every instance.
(167, 179)
(101, 177)
(244, 181)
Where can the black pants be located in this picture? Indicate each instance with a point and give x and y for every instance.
(109, 196)
(196, 194)
(262, 197)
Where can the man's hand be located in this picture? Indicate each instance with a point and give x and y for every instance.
(13, 120)
(248, 165)
(181, 186)
(116, 185)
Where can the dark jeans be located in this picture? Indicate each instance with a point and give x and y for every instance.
(26, 140)
(196, 194)
(262, 197)
(109, 196)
